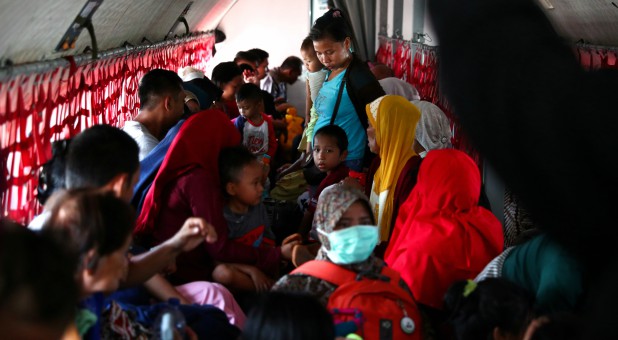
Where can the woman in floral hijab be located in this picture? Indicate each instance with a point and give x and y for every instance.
(333, 214)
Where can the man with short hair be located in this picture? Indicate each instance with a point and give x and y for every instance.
(276, 81)
(161, 97)
(261, 62)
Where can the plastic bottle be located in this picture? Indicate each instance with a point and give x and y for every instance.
(170, 324)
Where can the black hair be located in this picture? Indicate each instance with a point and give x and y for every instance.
(231, 162)
(336, 132)
(155, 84)
(330, 25)
(281, 316)
(250, 92)
(246, 67)
(225, 72)
(307, 45)
(495, 302)
(260, 54)
(37, 278)
(52, 174)
(99, 154)
(247, 55)
(92, 220)
(292, 63)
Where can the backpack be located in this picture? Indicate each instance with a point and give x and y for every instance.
(372, 307)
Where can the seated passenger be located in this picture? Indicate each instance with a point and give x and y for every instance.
(187, 184)
(38, 292)
(98, 227)
(393, 85)
(330, 149)
(543, 267)
(391, 131)
(162, 100)
(433, 131)
(228, 77)
(492, 309)
(447, 237)
(346, 266)
(247, 219)
(105, 158)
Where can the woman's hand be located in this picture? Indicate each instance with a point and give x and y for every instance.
(193, 232)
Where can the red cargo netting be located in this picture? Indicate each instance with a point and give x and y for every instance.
(36, 109)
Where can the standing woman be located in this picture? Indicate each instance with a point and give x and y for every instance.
(332, 41)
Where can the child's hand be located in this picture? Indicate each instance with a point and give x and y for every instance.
(193, 232)
(286, 250)
(261, 281)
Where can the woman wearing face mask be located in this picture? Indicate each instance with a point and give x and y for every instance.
(348, 78)
(348, 235)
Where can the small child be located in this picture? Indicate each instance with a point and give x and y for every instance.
(256, 128)
(330, 149)
(247, 218)
(246, 215)
(316, 75)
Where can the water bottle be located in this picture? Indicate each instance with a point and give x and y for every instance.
(170, 324)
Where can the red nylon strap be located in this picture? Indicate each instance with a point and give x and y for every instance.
(326, 271)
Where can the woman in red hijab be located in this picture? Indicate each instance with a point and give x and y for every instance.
(186, 185)
(441, 234)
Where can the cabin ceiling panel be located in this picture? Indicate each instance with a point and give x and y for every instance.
(595, 21)
(31, 29)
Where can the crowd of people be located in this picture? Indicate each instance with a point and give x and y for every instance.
(393, 238)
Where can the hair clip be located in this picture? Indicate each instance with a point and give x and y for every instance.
(336, 13)
(469, 288)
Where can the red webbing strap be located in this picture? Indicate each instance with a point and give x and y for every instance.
(326, 271)
(61, 103)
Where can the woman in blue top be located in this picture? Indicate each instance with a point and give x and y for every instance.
(332, 41)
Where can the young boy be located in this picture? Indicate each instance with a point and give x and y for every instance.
(247, 218)
(330, 149)
(255, 127)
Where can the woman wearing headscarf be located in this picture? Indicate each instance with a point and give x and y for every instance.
(446, 237)
(187, 184)
(433, 131)
(334, 202)
(391, 131)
